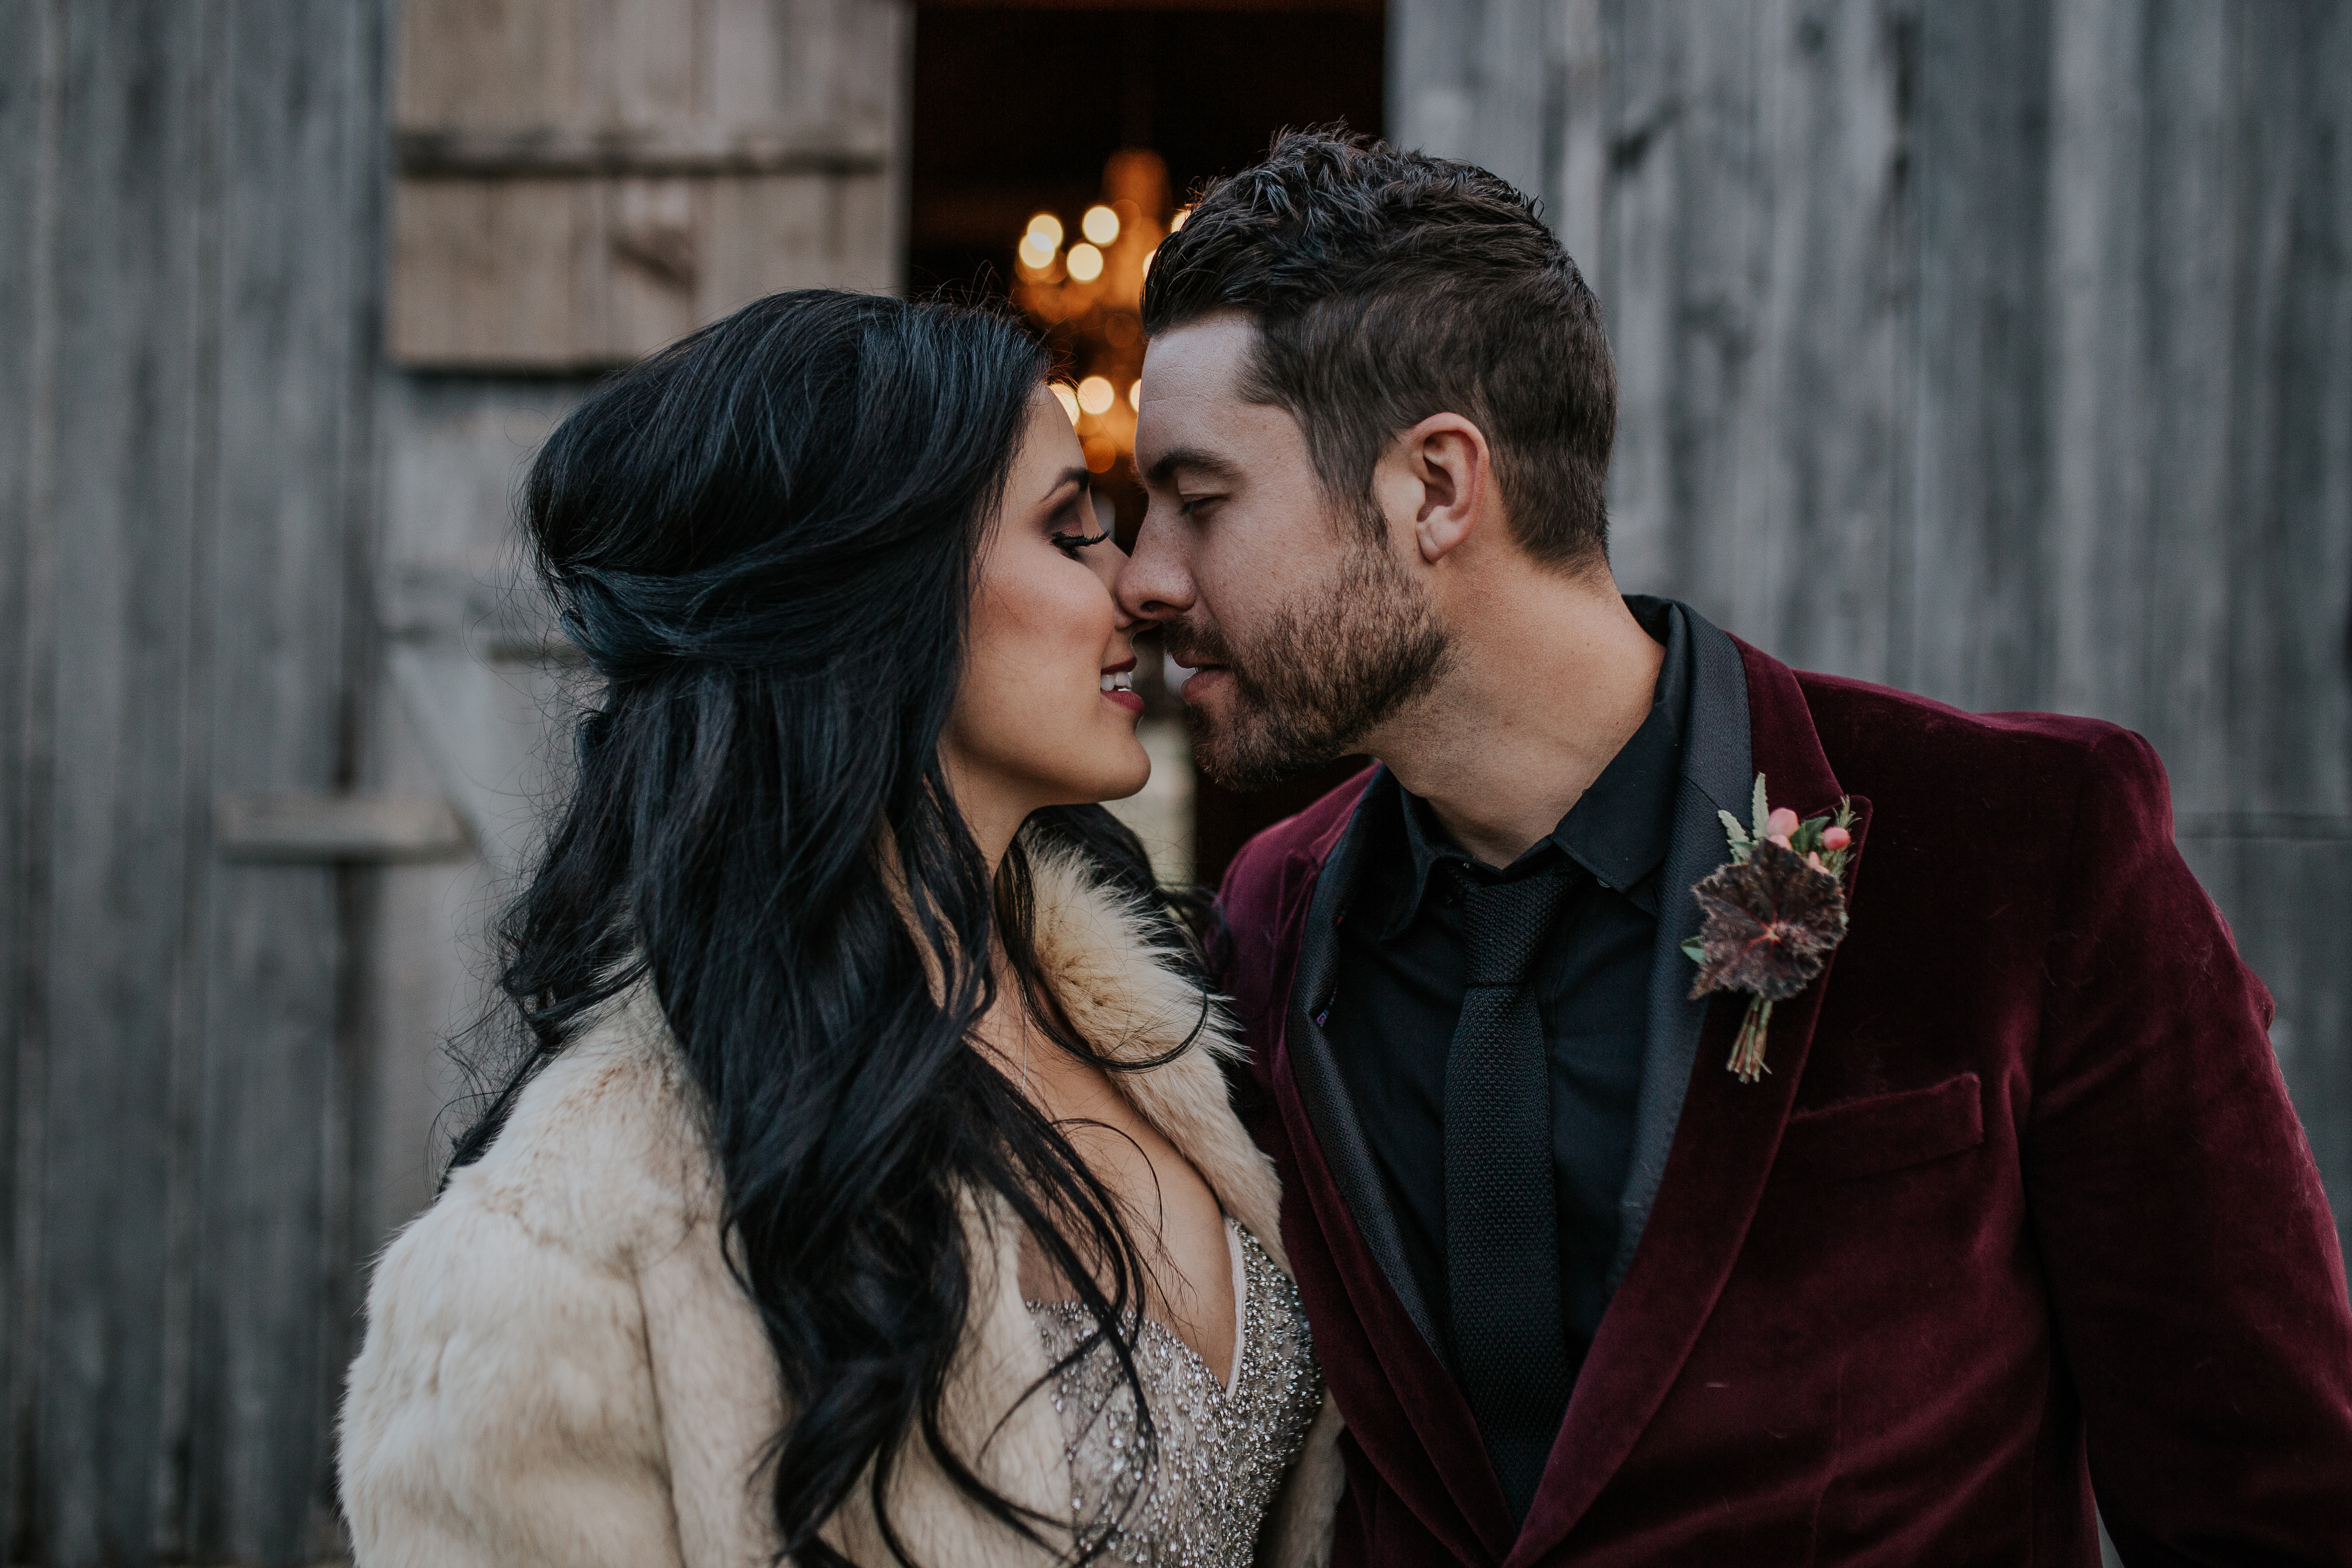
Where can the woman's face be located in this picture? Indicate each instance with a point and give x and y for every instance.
(1045, 716)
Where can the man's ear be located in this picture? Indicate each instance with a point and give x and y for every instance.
(1438, 475)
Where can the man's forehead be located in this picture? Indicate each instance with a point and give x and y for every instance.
(1202, 358)
(1191, 399)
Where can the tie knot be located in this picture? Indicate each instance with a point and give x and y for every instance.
(1503, 924)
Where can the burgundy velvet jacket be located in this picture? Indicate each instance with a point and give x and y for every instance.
(2021, 1208)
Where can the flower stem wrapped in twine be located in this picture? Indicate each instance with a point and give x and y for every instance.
(1747, 1063)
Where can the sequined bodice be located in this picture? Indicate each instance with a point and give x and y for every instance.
(1221, 1452)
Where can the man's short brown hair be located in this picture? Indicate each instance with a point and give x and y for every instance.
(1388, 286)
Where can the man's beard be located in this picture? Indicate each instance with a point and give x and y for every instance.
(1325, 670)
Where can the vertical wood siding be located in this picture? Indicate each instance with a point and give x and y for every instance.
(187, 331)
(2002, 351)
(243, 561)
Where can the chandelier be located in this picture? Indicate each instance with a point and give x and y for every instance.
(1080, 282)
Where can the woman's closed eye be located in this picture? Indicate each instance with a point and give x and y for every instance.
(1074, 543)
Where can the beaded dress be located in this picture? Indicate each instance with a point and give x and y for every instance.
(1222, 1449)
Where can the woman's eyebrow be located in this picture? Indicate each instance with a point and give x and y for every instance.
(1078, 477)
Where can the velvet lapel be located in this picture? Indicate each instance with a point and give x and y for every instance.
(1338, 1136)
(1429, 1449)
(1716, 776)
(1721, 1151)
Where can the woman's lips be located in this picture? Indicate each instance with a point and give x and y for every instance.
(1118, 687)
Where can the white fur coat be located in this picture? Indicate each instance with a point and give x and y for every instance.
(559, 1369)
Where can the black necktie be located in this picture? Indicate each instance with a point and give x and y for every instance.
(1502, 1242)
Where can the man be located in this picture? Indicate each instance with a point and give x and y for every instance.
(1999, 1199)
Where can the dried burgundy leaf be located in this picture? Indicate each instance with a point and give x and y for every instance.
(1771, 924)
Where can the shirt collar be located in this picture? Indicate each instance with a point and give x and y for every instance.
(1619, 829)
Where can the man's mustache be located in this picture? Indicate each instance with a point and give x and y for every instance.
(1193, 647)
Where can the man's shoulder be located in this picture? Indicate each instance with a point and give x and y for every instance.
(1257, 868)
(1895, 745)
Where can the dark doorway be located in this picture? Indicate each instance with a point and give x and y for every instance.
(1019, 108)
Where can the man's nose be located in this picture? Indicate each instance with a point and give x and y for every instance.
(1155, 583)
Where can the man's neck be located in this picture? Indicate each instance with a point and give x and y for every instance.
(1548, 682)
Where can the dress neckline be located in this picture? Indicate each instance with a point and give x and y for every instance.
(1225, 1386)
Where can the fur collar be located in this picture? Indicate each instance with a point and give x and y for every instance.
(555, 1365)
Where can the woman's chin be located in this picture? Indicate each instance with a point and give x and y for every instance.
(1120, 775)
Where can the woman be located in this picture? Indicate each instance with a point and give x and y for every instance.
(867, 1189)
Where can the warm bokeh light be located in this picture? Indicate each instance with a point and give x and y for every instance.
(1087, 301)
(1178, 221)
(1135, 394)
(1148, 257)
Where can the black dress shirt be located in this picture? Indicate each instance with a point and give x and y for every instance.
(1397, 992)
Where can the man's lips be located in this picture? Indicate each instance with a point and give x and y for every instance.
(1192, 686)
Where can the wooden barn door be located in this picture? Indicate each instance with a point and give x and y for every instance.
(187, 348)
(273, 726)
(583, 181)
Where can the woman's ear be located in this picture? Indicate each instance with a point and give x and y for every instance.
(1437, 474)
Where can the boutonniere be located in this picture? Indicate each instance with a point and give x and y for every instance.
(1774, 915)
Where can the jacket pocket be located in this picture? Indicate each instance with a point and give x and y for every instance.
(1882, 1132)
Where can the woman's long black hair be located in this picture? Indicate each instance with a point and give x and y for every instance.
(765, 539)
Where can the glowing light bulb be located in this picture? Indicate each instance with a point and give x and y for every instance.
(1067, 399)
(1085, 263)
(1048, 226)
(1135, 394)
(1036, 250)
(1095, 394)
(1101, 225)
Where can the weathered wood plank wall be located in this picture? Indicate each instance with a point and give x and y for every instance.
(254, 636)
(2002, 351)
(189, 353)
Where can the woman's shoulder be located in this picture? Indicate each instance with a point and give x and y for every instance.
(605, 1152)
(603, 1163)
(508, 1321)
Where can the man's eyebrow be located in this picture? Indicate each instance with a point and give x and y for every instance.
(1206, 464)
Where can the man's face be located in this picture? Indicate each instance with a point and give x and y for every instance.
(1304, 621)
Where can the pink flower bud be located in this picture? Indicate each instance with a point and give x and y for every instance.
(1835, 839)
(1779, 824)
(1779, 838)
(1814, 860)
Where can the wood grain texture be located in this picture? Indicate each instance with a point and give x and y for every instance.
(272, 1249)
(203, 314)
(132, 256)
(475, 725)
(1974, 615)
(225, 1081)
(31, 98)
(585, 183)
(2000, 351)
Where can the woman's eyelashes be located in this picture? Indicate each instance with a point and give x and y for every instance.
(1072, 543)
(1075, 513)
